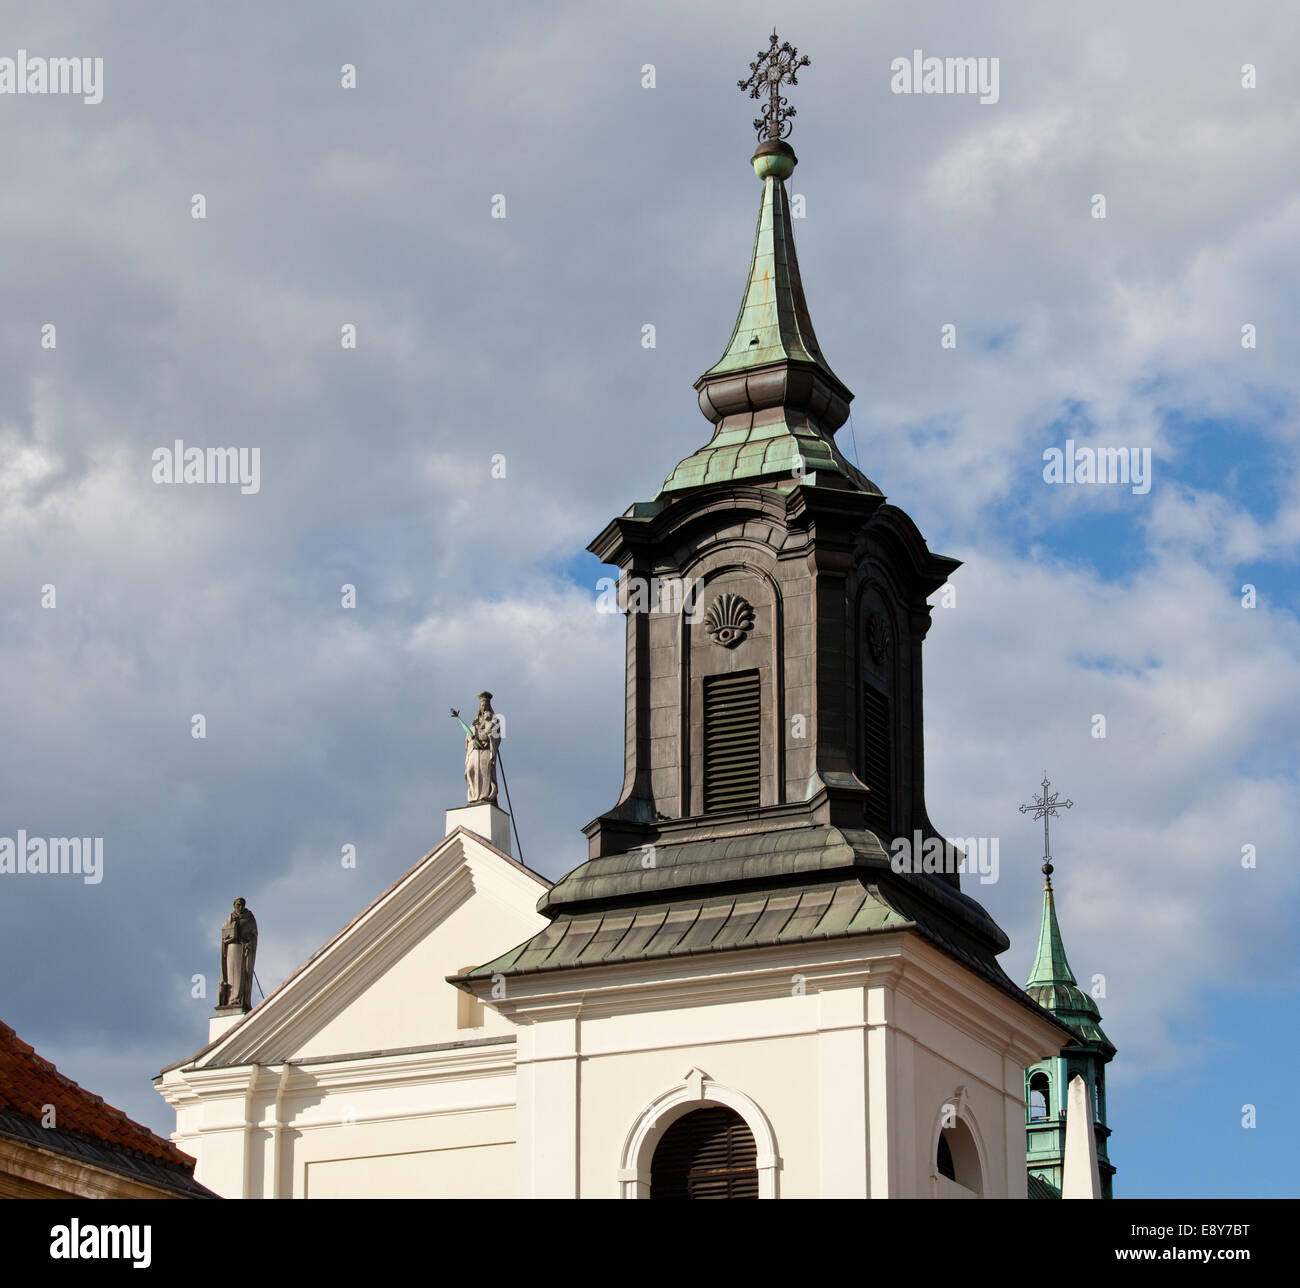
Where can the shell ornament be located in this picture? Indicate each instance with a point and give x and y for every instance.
(729, 619)
(878, 638)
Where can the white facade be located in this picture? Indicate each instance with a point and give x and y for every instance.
(367, 1074)
(841, 1057)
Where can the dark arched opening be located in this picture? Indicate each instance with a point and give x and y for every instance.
(706, 1154)
(1039, 1098)
(957, 1158)
(944, 1161)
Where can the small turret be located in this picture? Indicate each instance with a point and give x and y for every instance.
(1053, 986)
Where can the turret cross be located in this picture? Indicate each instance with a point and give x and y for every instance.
(1044, 807)
(776, 66)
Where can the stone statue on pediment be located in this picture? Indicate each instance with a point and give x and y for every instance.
(482, 745)
(238, 952)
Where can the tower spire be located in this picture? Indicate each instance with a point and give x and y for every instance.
(1050, 965)
(772, 396)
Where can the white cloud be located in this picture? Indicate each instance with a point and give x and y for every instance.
(522, 337)
(1199, 759)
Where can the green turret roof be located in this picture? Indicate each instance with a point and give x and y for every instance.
(773, 324)
(1050, 965)
(772, 397)
(1053, 986)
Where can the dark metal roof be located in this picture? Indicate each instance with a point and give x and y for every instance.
(681, 927)
(752, 890)
(173, 1177)
(1041, 1189)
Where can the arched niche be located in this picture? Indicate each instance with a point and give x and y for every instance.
(695, 1091)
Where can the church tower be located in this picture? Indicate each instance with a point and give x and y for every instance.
(776, 605)
(752, 966)
(1053, 986)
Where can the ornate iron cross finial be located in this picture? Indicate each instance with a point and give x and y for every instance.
(1044, 807)
(777, 65)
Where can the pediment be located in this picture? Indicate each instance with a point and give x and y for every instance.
(380, 982)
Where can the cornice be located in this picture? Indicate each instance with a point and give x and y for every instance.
(367, 1073)
(665, 983)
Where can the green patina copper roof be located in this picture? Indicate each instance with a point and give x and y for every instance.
(749, 451)
(1050, 966)
(772, 396)
(695, 923)
(1052, 984)
(773, 324)
(752, 890)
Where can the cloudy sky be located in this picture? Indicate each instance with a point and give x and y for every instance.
(521, 337)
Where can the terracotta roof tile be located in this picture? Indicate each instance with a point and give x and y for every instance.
(28, 1083)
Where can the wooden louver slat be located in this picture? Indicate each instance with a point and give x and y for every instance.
(877, 760)
(733, 755)
(706, 1154)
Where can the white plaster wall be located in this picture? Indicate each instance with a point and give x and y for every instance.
(353, 1126)
(852, 1076)
(482, 1171)
(779, 1074)
(410, 1003)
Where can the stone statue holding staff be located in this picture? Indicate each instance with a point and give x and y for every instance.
(482, 744)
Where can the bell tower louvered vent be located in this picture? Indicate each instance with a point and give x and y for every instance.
(708, 1154)
(732, 742)
(876, 761)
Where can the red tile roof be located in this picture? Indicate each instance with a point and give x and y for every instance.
(29, 1083)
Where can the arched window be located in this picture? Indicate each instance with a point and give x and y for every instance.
(957, 1157)
(1039, 1098)
(706, 1154)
